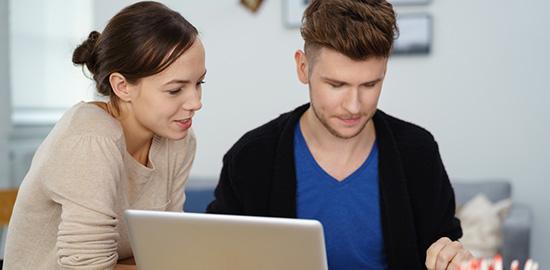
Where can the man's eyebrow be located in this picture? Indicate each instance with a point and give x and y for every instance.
(334, 81)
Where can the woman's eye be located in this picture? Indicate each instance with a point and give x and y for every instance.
(201, 82)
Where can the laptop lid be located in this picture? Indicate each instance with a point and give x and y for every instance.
(171, 240)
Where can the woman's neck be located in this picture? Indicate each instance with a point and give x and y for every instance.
(138, 139)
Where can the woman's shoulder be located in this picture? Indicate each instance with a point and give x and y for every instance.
(88, 119)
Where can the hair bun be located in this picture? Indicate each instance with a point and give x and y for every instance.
(84, 53)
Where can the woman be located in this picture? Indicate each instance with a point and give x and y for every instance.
(134, 151)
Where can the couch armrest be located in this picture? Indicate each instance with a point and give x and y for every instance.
(516, 234)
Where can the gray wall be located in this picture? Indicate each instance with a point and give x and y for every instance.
(483, 91)
(4, 94)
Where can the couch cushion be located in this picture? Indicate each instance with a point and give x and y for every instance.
(197, 200)
(494, 189)
(199, 192)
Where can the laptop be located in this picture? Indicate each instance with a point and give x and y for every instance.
(172, 240)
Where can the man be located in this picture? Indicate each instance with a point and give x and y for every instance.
(376, 183)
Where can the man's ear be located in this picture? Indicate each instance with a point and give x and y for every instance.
(302, 66)
(120, 86)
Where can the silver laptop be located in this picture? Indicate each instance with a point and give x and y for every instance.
(169, 240)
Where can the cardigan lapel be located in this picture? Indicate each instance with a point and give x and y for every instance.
(397, 219)
(283, 186)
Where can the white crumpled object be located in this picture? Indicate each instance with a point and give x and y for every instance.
(481, 222)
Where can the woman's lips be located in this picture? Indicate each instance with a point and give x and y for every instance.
(184, 124)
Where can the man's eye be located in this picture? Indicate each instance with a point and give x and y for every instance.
(174, 92)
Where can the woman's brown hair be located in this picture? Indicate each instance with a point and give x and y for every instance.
(141, 40)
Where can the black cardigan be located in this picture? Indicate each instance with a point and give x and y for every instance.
(258, 178)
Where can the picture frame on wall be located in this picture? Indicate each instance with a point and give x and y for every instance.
(252, 5)
(415, 34)
(293, 11)
(409, 2)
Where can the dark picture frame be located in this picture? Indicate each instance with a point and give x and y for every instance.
(415, 34)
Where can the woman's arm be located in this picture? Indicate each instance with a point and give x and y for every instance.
(125, 267)
(126, 264)
(83, 177)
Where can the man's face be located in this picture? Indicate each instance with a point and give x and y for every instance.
(344, 92)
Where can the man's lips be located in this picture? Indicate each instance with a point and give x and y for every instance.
(350, 121)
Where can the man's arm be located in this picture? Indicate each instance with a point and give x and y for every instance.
(226, 200)
(447, 225)
(445, 253)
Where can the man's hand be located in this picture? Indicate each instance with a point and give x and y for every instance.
(446, 254)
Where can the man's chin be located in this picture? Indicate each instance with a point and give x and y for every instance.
(346, 136)
(345, 133)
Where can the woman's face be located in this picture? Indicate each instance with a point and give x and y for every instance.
(165, 103)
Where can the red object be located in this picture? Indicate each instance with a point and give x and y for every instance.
(474, 264)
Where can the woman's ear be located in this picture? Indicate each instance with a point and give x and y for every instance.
(120, 86)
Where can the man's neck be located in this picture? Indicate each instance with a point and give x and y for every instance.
(320, 138)
(339, 157)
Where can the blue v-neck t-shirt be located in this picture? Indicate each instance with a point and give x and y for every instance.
(349, 209)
